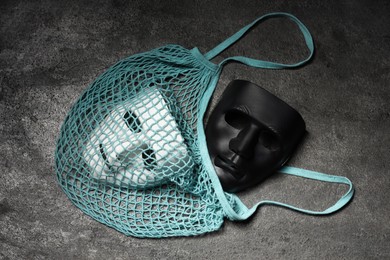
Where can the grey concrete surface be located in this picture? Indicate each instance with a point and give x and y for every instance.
(51, 50)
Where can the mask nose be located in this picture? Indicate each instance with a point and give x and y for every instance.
(245, 141)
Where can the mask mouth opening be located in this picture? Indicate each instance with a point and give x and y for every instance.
(103, 154)
(228, 165)
(149, 159)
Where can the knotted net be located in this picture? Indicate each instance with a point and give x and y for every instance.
(127, 154)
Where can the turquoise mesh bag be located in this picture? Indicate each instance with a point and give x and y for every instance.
(132, 152)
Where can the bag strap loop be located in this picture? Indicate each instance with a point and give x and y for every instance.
(242, 212)
(238, 210)
(260, 63)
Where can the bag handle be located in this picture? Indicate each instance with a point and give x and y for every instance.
(236, 209)
(260, 63)
(241, 212)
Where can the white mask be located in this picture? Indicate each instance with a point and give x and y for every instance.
(134, 146)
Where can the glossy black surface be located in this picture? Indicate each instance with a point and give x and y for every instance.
(250, 134)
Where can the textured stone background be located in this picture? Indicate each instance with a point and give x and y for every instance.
(51, 50)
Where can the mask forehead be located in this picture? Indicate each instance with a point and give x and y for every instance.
(263, 107)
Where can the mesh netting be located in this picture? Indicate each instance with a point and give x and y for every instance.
(132, 151)
(127, 154)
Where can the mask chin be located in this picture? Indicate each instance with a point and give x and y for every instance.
(250, 134)
(138, 144)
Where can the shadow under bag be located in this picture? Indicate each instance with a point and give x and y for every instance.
(132, 151)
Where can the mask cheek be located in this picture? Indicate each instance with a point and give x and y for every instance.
(264, 156)
(270, 140)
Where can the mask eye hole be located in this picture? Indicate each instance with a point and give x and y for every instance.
(149, 159)
(132, 122)
(101, 150)
(269, 140)
(237, 119)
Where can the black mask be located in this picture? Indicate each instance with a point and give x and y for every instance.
(250, 134)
